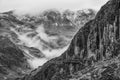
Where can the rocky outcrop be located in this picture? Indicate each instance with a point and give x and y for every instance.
(12, 60)
(93, 53)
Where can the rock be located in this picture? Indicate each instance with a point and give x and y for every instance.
(16, 32)
(93, 53)
(12, 60)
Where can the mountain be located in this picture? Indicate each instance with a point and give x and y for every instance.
(47, 32)
(13, 63)
(27, 42)
(93, 53)
(60, 23)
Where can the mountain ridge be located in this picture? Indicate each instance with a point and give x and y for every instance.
(26, 34)
(93, 52)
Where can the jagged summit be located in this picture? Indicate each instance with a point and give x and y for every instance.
(93, 53)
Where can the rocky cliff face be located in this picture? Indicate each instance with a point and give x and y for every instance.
(93, 54)
(12, 60)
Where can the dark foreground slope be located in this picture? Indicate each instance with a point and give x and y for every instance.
(93, 53)
(12, 60)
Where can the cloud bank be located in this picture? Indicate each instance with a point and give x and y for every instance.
(36, 6)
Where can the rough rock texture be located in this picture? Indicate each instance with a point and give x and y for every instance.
(12, 60)
(93, 53)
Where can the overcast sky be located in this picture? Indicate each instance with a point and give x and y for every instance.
(33, 6)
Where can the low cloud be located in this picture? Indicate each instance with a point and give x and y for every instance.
(36, 6)
(38, 44)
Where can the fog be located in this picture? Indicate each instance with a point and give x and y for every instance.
(37, 6)
(38, 44)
